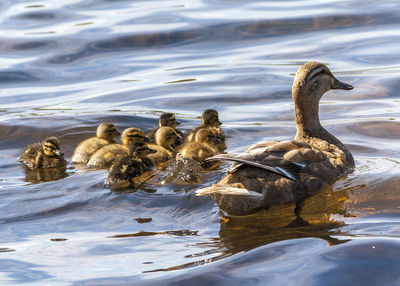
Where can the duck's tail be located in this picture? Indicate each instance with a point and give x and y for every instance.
(227, 190)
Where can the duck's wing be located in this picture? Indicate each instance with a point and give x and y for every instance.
(262, 164)
(269, 156)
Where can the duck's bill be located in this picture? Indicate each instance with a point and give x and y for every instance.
(337, 84)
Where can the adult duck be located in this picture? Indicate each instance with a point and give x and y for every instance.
(279, 173)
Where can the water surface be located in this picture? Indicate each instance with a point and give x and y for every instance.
(65, 67)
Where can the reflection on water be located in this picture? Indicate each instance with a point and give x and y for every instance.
(41, 175)
(69, 65)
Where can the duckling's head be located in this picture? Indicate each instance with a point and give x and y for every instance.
(166, 137)
(207, 135)
(312, 80)
(210, 118)
(133, 135)
(107, 131)
(140, 150)
(168, 119)
(51, 147)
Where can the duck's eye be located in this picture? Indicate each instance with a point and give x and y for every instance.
(318, 73)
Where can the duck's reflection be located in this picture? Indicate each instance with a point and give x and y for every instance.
(322, 211)
(41, 175)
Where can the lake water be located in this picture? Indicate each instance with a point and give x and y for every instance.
(66, 66)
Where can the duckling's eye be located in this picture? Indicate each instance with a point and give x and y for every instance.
(135, 136)
(51, 147)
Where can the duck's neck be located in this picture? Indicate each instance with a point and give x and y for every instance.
(307, 120)
(308, 124)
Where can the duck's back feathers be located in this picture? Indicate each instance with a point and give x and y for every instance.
(280, 173)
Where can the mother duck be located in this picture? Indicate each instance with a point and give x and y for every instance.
(279, 173)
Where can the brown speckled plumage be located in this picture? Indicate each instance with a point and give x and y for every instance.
(299, 168)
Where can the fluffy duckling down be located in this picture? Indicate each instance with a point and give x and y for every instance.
(207, 143)
(278, 173)
(166, 119)
(209, 118)
(165, 139)
(43, 155)
(105, 156)
(126, 168)
(105, 134)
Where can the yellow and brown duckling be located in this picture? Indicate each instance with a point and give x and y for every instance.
(105, 156)
(166, 119)
(43, 155)
(209, 118)
(207, 143)
(166, 138)
(125, 169)
(278, 173)
(105, 134)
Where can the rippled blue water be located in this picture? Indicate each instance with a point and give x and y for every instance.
(66, 66)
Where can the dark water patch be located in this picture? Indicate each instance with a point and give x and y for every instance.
(10, 77)
(33, 45)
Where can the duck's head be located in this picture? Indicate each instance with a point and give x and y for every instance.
(312, 80)
(107, 131)
(140, 150)
(51, 147)
(133, 135)
(168, 119)
(210, 118)
(166, 137)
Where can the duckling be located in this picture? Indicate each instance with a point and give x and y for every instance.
(166, 119)
(43, 155)
(125, 169)
(105, 156)
(220, 142)
(165, 138)
(209, 118)
(205, 145)
(278, 173)
(105, 134)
